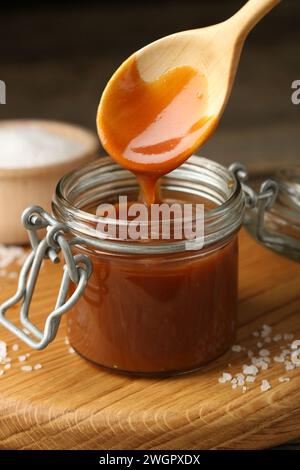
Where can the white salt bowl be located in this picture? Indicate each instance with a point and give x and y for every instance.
(22, 185)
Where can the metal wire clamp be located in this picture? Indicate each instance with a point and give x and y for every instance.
(77, 269)
(262, 201)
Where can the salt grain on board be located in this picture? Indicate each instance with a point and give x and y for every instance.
(226, 377)
(26, 368)
(22, 358)
(250, 370)
(15, 347)
(250, 379)
(264, 353)
(284, 379)
(278, 359)
(265, 385)
(295, 344)
(266, 331)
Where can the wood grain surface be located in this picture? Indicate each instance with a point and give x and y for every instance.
(72, 404)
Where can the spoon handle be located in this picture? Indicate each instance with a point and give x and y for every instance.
(250, 14)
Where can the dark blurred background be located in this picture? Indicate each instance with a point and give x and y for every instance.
(57, 57)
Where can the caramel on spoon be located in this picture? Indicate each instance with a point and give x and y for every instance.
(167, 98)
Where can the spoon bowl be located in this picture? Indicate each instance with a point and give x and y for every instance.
(166, 100)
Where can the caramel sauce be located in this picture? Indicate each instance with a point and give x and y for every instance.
(159, 315)
(150, 128)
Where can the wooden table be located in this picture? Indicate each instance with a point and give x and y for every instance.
(72, 404)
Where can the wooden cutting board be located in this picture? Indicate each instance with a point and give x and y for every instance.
(72, 404)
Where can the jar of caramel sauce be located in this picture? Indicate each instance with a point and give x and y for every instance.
(155, 307)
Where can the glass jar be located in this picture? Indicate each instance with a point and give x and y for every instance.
(155, 308)
(281, 222)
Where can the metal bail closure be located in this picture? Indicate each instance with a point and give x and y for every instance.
(261, 202)
(77, 270)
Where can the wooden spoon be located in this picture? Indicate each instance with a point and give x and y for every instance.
(134, 132)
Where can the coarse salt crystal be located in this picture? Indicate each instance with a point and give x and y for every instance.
(67, 342)
(268, 340)
(7, 366)
(22, 358)
(255, 333)
(38, 366)
(227, 376)
(264, 353)
(260, 362)
(259, 344)
(240, 379)
(234, 386)
(71, 350)
(236, 348)
(279, 359)
(289, 366)
(250, 379)
(295, 344)
(277, 338)
(244, 389)
(286, 352)
(2, 372)
(15, 347)
(250, 370)
(265, 385)
(266, 331)
(240, 376)
(284, 379)
(26, 368)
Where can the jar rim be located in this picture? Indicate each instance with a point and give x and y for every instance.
(221, 222)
